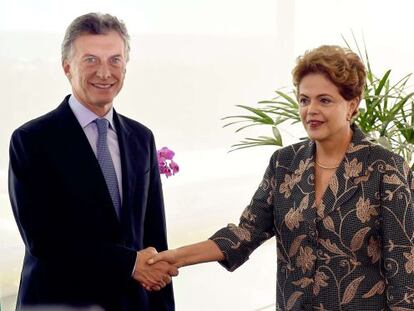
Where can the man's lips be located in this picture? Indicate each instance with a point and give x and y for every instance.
(103, 86)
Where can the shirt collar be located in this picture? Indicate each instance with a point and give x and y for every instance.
(86, 116)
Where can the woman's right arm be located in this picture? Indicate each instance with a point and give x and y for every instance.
(232, 245)
(205, 251)
(187, 255)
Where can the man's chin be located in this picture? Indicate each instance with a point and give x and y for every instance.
(104, 96)
(103, 101)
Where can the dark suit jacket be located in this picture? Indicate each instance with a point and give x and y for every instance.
(353, 252)
(76, 250)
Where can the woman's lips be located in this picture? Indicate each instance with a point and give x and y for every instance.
(315, 123)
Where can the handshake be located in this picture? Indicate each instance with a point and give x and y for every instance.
(154, 270)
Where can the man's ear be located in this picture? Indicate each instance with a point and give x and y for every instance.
(66, 69)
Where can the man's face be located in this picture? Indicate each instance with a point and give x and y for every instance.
(96, 69)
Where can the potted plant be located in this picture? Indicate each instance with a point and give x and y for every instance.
(386, 113)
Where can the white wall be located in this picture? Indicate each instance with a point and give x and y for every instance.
(191, 62)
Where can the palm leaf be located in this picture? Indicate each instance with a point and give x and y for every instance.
(388, 115)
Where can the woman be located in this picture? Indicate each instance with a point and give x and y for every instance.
(340, 206)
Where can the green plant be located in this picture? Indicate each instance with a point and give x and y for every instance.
(386, 113)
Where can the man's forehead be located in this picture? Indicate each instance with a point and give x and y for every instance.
(108, 43)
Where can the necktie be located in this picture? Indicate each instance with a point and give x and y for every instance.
(107, 166)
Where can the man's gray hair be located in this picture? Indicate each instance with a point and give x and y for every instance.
(95, 24)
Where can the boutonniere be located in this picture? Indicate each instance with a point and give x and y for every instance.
(166, 165)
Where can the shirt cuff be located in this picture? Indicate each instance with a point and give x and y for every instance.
(136, 262)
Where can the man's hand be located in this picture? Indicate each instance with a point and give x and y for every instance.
(152, 277)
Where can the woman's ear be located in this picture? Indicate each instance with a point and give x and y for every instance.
(353, 107)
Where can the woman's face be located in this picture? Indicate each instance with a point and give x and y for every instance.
(325, 114)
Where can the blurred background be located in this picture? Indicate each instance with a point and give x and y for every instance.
(191, 62)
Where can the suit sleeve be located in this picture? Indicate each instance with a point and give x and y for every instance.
(45, 235)
(155, 233)
(398, 234)
(255, 226)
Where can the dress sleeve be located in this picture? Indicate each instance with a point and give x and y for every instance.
(398, 234)
(255, 227)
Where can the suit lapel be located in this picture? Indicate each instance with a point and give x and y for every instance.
(80, 163)
(127, 149)
(343, 183)
(133, 154)
(302, 180)
(353, 168)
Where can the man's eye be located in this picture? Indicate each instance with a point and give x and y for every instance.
(116, 61)
(90, 60)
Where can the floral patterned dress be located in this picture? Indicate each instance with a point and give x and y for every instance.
(353, 252)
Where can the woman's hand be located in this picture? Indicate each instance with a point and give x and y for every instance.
(189, 255)
(170, 256)
(152, 277)
(166, 257)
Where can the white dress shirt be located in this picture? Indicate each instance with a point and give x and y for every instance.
(85, 118)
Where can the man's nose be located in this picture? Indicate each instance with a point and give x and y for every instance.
(103, 71)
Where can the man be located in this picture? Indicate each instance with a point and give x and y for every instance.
(85, 188)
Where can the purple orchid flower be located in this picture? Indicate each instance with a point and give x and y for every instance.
(166, 165)
(174, 167)
(165, 153)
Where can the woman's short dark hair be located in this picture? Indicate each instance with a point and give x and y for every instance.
(340, 65)
(96, 24)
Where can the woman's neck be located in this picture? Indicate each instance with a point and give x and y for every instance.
(331, 152)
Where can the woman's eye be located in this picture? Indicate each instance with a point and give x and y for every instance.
(303, 101)
(325, 101)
